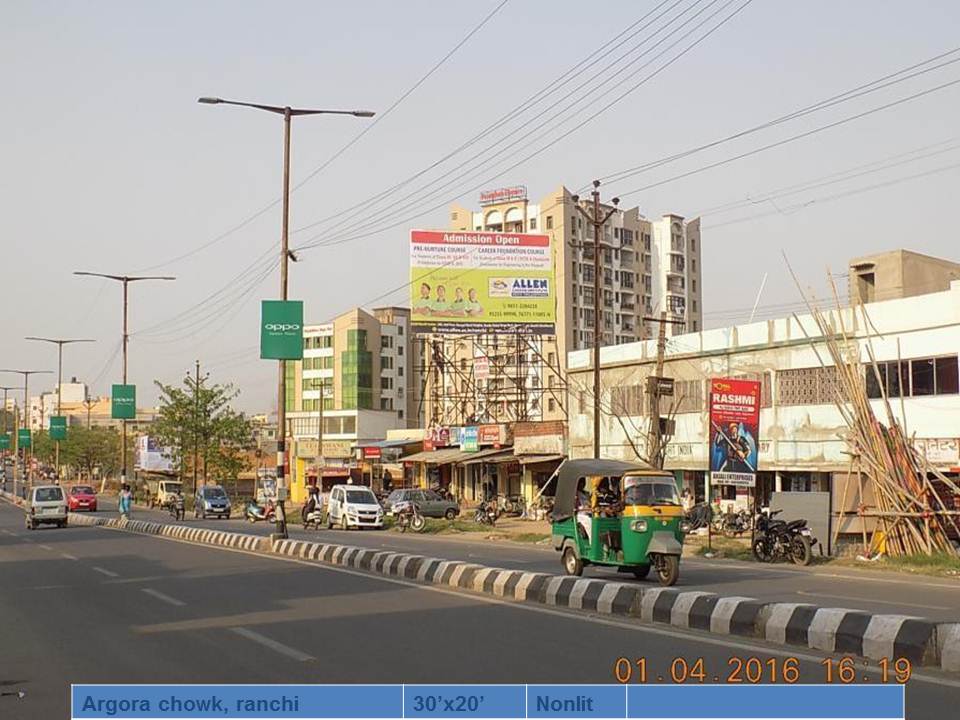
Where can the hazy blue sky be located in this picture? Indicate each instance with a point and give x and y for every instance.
(108, 163)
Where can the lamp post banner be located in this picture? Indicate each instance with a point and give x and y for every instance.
(281, 330)
(123, 402)
(23, 438)
(58, 427)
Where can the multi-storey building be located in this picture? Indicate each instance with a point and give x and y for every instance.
(359, 375)
(647, 266)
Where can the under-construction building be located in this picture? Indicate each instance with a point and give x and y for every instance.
(647, 266)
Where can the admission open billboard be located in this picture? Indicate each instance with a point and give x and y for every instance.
(477, 282)
(734, 431)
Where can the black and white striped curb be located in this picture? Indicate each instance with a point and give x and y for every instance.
(832, 630)
(178, 532)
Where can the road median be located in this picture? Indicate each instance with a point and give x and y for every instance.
(833, 630)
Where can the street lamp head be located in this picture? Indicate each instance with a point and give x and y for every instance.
(209, 100)
(596, 183)
(363, 113)
(575, 198)
(615, 201)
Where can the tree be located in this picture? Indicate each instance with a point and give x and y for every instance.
(197, 419)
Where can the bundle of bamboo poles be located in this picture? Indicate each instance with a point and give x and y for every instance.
(908, 510)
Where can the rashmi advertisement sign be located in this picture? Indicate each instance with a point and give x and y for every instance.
(734, 431)
(469, 282)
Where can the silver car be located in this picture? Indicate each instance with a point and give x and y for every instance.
(429, 502)
(46, 505)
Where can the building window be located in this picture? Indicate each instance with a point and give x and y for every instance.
(400, 371)
(533, 223)
(582, 403)
(549, 222)
(918, 377)
(693, 244)
(806, 386)
(551, 404)
(627, 400)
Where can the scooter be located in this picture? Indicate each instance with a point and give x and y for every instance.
(487, 513)
(313, 518)
(255, 512)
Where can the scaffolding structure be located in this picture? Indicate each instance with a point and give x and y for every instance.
(489, 378)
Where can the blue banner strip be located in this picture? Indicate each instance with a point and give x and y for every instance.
(777, 702)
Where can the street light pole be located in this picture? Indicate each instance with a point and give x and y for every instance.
(598, 221)
(59, 342)
(26, 414)
(6, 389)
(125, 280)
(285, 254)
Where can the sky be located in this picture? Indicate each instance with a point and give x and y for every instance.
(108, 164)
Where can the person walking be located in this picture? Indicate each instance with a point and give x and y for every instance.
(125, 501)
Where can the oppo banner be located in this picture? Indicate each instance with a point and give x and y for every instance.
(281, 329)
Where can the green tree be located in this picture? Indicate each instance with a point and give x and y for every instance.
(198, 419)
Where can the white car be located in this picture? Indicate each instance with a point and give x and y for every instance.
(46, 505)
(354, 506)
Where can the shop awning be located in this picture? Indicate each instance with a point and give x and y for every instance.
(437, 457)
(387, 443)
(534, 459)
(489, 456)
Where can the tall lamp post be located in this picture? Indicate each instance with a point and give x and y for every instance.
(125, 280)
(26, 413)
(59, 342)
(285, 254)
(597, 220)
(6, 389)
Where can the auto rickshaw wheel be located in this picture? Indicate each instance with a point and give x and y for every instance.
(572, 565)
(668, 569)
(640, 571)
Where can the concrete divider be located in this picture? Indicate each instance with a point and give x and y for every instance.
(833, 630)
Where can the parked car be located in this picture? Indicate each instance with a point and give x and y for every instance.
(211, 500)
(353, 506)
(82, 497)
(429, 502)
(46, 505)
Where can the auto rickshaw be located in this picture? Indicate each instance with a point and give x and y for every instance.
(625, 515)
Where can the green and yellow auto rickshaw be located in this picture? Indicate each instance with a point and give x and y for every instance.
(625, 515)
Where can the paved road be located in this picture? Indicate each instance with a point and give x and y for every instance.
(873, 591)
(93, 605)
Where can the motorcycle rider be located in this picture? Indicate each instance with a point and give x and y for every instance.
(313, 505)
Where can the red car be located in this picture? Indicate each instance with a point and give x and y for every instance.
(82, 497)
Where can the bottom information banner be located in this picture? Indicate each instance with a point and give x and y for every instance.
(666, 702)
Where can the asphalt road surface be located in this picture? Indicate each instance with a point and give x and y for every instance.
(92, 605)
(872, 591)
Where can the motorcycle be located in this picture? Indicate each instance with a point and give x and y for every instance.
(735, 524)
(696, 517)
(177, 508)
(255, 512)
(487, 513)
(312, 518)
(511, 504)
(777, 539)
(408, 515)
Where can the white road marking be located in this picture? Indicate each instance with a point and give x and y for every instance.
(165, 598)
(272, 644)
(692, 635)
(9, 532)
(104, 571)
(68, 556)
(872, 600)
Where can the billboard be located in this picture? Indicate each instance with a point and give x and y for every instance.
(734, 431)
(151, 457)
(476, 282)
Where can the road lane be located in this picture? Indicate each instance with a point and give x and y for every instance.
(871, 591)
(355, 627)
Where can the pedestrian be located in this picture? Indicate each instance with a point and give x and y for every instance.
(686, 500)
(125, 501)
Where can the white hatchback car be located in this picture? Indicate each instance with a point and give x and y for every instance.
(354, 506)
(46, 505)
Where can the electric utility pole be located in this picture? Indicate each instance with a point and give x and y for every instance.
(598, 219)
(59, 342)
(3, 470)
(196, 426)
(286, 254)
(125, 280)
(657, 385)
(26, 416)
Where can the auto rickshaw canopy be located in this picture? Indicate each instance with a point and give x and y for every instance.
(570, 472)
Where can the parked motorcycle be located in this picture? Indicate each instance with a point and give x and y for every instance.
(511, 504)
(177, 508)
(407, 515)
(487, 513)
(255, 512)
(735, 524)
(777, 539)
(697, 517)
